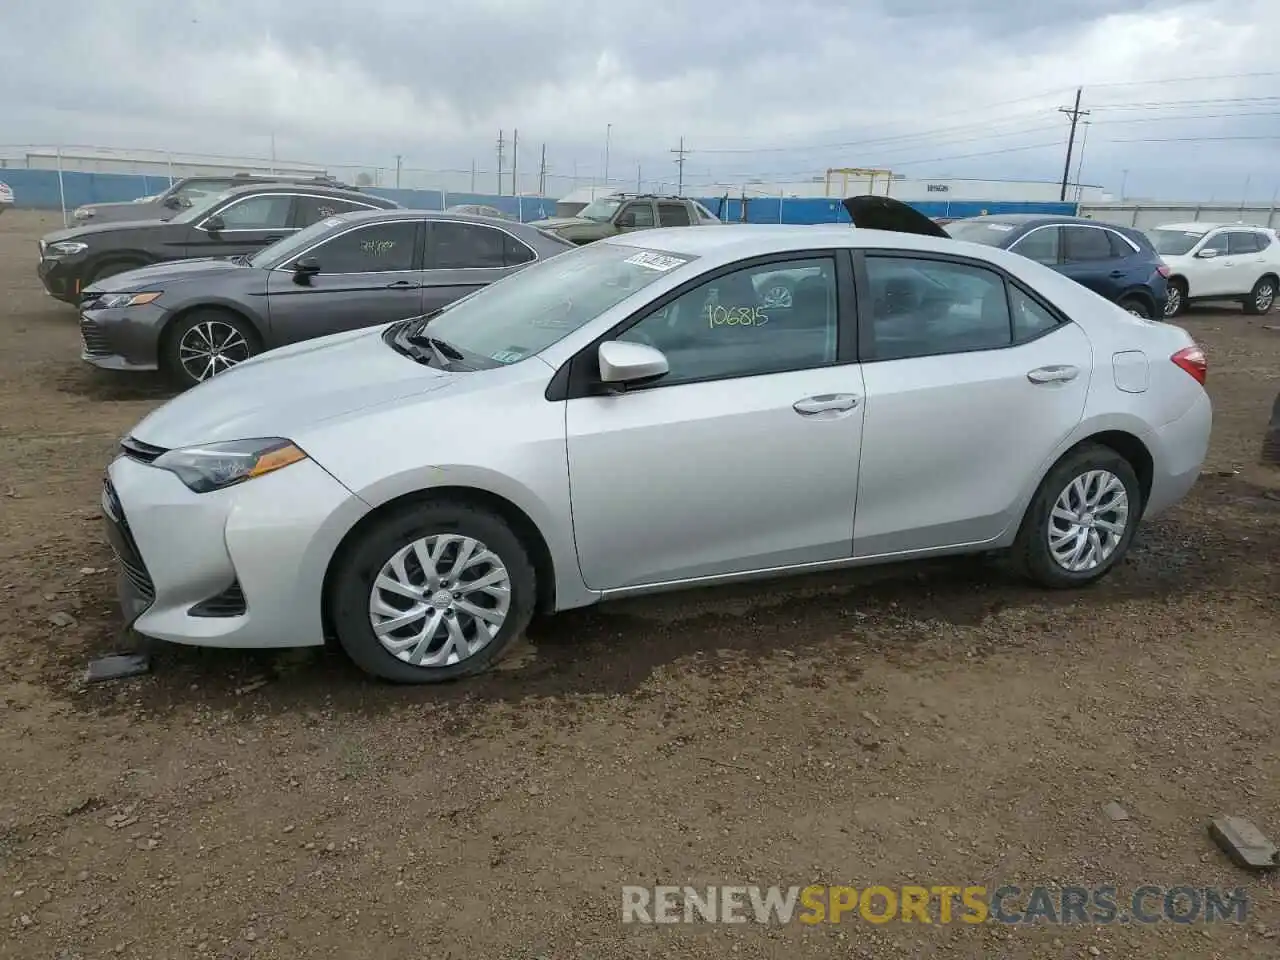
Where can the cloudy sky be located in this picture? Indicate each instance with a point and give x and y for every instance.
(759, 89)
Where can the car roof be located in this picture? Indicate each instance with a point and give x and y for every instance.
(739, 240)
(401, 213)
(1200, 226)
(1040, 219)
(322, 189)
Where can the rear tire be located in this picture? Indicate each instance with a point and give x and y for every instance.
(204, 343)
(1081, 521)
(403, 568)
(1262, 297)
(1137, 306)
(1175, 303)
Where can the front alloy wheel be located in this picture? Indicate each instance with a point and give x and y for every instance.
(211, 347)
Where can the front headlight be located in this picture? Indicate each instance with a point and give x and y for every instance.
(110, 301)
(67, 247)
(220, 465)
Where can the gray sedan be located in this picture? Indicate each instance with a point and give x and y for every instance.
(193, 319)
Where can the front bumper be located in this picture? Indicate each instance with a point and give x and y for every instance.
(267, 543)
(125, 338)
(61, 278)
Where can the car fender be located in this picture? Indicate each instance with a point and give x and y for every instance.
(216, 302)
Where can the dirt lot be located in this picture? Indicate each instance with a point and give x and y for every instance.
(936, 724)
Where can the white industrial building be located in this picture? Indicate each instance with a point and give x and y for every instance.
(157, 163)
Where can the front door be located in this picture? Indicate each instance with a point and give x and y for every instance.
(1215, 274)
(971, 385)
(463, 257)
(744, 456)
(244, 226)
(634, 215)
(368, 275)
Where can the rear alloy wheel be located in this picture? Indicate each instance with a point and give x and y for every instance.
(1175, 300)
(1262, 297)
(1136, 306)
(436, 592)
(206, 343)
(1081, 521)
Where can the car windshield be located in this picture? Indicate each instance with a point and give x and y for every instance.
(531, 310)
(280, 251)
(200, 207)
(990, 232)
(1173, 243)
(602, 209)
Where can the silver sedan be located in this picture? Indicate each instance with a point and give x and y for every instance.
(639, 415)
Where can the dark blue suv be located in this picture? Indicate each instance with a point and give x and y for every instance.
(1118, 262)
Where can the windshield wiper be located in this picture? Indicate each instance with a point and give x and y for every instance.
(444, 351)
(241, 259)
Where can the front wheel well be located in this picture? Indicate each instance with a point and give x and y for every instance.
(519, 521)
(1181, 282)
(166, 332)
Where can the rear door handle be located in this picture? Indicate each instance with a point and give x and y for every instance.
(1057, 373)
(824, 403)
(404, 285)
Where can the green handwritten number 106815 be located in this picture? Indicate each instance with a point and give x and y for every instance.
(720, 316)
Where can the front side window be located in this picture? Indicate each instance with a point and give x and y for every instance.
(529, 311)
(636, 215)
(1173, 243)
(377, 248)
(268, 211)
(601, 210)
(1040, 245)
(196, 190)
(922, 308)
(1217, 243)
(727, 328)
(1084, 244)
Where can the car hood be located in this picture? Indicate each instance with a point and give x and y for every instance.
(874, 212)
(284, 391)
(552, 223)
(91, 230)
(163, 274)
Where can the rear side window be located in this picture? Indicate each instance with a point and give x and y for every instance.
(1029, 318)
(1084, 244)
(673, 215)
(1242, 241)
(1263, 241)
(469, 246)
(314, 209)
(1120, 247)
(514, 252)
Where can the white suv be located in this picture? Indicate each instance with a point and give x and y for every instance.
(1219, 261)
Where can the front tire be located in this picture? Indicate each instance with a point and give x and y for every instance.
(1081, 521)
(434, 592)
(1262, 297)
(205, 343)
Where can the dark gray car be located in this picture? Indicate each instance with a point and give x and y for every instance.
(186, 193)
(195, 318)
(232, 223)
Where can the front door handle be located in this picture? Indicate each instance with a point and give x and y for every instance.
(1058, 373)
(824, 403)
(404, 285)
(1117, 274)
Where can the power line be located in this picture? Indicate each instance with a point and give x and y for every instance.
(1275, 136)
(1160, 104)
(1219, 76)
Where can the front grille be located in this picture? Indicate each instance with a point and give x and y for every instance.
(95, 341)
(229, 603)
(124, 546)
(135, 449)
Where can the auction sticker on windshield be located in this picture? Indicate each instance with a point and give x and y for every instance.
(656, 261)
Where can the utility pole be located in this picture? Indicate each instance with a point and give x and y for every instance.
(501, 144)
(1084, 141)
(515, 156)
(542, 173)
(398, 159)
(1075, 113)
(680, 153)
(639, 189)
(608, 132)
(473, 174)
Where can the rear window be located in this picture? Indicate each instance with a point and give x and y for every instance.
(991, 232)
(1173, 243)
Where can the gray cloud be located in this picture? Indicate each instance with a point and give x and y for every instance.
(927, 85)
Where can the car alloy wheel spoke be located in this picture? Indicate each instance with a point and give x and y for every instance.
(210, 348)
(1088, 521)
(439, 600)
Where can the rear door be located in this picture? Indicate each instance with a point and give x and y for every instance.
(1246, 262)
(1088, 259)
(971, 384)
(248, 223)
(463, 257)
(370, 274)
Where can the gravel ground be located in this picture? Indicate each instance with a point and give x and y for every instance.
(935, 724)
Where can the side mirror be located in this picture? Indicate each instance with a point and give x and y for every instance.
(174, 202)
(214, 224)
(305, 268)
(623, 363)
(1208, 253)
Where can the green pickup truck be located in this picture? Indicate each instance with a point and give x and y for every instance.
(624, 212)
